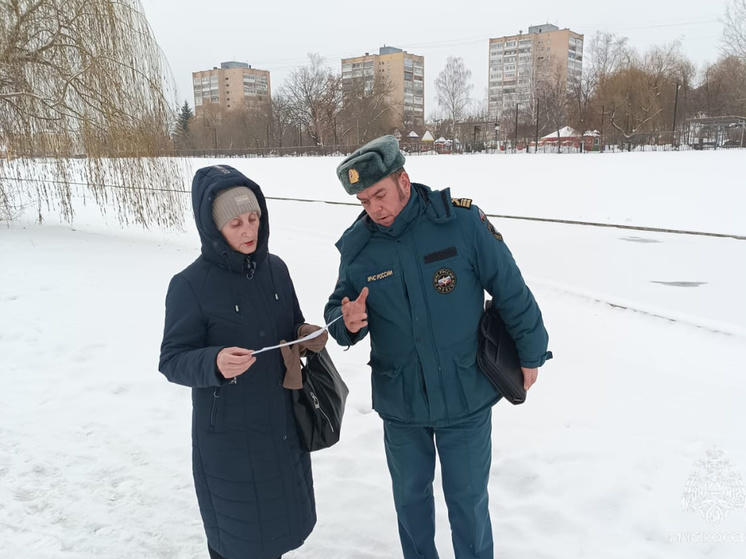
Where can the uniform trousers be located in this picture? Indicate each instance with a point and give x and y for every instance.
(465, 452)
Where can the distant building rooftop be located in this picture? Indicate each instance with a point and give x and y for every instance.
(233, 64)
(543, 28)
(388, 50)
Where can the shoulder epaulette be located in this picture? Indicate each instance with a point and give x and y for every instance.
(461, 202)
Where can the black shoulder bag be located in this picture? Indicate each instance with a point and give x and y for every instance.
(497, 356)
(320, 404)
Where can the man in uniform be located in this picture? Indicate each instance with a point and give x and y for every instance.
(414, 268)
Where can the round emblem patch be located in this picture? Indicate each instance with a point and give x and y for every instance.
(444, 280)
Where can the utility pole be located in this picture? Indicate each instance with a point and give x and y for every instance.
(603, 114)
(515, 139)
(675, 108)
(536, 136)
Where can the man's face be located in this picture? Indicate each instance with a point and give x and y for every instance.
(384, 200)
(241, 232)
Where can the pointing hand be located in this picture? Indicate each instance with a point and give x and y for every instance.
(353, 312)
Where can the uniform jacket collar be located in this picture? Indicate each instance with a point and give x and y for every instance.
(435, 205)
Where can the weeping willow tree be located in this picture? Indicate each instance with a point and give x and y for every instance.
(85, 110)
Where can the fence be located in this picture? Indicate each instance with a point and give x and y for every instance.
(612, 142)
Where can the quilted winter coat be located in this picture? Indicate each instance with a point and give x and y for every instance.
(253, 479)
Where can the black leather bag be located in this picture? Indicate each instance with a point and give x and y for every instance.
(497, 356)
(320, 404)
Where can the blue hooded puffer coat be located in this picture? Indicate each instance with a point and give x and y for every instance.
(253, 479)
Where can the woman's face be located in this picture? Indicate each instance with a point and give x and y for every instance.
(242, 232)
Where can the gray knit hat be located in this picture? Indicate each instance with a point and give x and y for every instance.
(369, 164)
(232, 202)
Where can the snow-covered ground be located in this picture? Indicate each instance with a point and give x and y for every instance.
(630, 436)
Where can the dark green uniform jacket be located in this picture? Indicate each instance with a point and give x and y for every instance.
(426, 275)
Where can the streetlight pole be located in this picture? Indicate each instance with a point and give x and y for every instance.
(675, 108)
(515, 140)
(536, 137)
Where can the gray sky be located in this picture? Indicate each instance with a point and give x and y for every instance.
(277, 35)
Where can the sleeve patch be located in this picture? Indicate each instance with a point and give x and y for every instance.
(461, 202)
(491, 229)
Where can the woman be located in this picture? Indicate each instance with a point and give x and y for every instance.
(252, 477)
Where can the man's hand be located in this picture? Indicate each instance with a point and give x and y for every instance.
(529, 377)
(354, 314)
(234, 361)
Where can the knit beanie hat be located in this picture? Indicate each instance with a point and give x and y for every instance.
(232, 202)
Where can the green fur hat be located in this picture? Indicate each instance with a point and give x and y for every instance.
(369, 164)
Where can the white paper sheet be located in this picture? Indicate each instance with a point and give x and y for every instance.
(312, 335)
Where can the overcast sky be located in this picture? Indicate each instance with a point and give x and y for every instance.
(277, 35)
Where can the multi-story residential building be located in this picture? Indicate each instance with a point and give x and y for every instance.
(233, 85)
(518, 64)
(405, 74)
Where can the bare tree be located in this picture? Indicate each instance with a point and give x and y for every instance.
(453, 88)
(723, 91)
(640, 96)
(606, 53)
(554, 101)
(366, 109)
(206, 129)
(85, 78)
(282, 121)
(313, 100)
(734, 30)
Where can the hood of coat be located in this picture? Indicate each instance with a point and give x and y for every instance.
(206, 184)
(435, 204)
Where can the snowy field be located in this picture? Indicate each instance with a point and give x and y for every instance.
(630, 445)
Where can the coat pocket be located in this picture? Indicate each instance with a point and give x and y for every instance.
(215, 407)
(393, 385)
(467, 380)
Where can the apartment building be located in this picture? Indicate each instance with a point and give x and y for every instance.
(404, 72)
(518, 63)
(233, 85)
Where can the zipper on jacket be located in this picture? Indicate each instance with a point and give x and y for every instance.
(429, 321)
(214, 410)
(249, 267)
(406, 298)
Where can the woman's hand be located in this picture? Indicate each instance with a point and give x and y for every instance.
(316, 344)
(234, 361)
